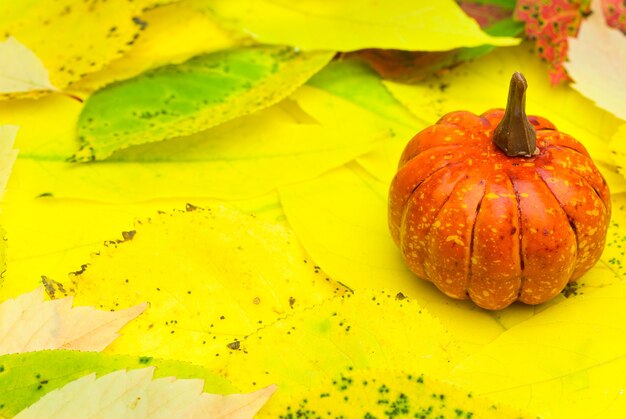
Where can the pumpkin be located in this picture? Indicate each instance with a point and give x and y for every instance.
(498, 207)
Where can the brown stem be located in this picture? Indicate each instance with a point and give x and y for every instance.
(514, 134)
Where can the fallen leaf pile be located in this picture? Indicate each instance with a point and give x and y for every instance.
(195, 224)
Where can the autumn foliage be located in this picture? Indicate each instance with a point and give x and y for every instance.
(195, 200)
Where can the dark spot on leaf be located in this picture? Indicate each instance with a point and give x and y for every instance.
(128, 235)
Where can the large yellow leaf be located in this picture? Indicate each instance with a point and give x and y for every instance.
(174, 33)
(568, 361)
(364, 329)
(73, 38)
(52, 237)
(597, 62)
(210, 276)
(28, 323)
(352, 25)
(483, 85)
(21, 72)
(134, 393)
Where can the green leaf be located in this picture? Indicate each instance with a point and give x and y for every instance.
(136, 394)
(356, 82)
(182, 99)
(25, 378)
(353, 25)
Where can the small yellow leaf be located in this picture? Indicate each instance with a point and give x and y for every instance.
(21, 72)
(28, 323)
(135, 394)
(597, 63)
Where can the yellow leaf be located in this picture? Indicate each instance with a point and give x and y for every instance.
(618, 149)
(73, 38)
(347, 93)
(52, 237)
(364, 329)
(341, 219)
(174, 33)
(353, 25)
(250, 155)
(211, 277)
(568, 361)
(21, 72)
(386, 393)
(597, 62)
(28, 323)
(7, 157)
(135, 394)
(482, 85)
(7, 154)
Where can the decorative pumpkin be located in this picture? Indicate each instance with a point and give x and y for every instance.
(498, 207)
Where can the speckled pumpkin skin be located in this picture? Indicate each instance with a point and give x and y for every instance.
(493, 228)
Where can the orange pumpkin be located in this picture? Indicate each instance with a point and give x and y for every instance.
(498, 207)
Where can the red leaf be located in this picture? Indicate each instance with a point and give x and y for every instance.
(615, 13)
(549, 24)
(485, 14)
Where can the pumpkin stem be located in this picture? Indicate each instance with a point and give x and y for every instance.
(514, 134)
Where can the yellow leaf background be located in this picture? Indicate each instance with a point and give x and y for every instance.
(311, 284)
